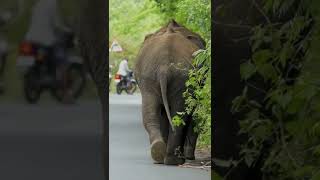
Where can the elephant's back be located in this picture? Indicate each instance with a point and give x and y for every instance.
(171, 50)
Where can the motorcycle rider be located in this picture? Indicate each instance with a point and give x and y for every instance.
(45, 29)
(124, 70)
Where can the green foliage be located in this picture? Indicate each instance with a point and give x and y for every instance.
(288, 117)
(194, 14)
(129, 22)
(198, 96)
(215, 176)
(177, 121)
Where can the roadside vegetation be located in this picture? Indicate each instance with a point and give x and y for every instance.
(285, 126)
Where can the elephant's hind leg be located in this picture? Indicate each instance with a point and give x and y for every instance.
(164, 124)
(151, 120)
(175, 145)
(190, 141)
(175, 150)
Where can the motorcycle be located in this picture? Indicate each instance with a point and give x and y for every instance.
(39, 72)
(129, 84)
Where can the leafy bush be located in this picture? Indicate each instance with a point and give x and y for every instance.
(194, 14)
(284, 126)
(198, 96)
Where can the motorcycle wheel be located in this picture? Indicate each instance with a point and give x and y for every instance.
(31, 91)
(119, 88)
(76, 81)
(132, 88)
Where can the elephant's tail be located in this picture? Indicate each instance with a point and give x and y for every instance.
(163, 87)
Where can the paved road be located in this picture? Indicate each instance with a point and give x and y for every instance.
(55, 142)
(129, 146)
(50, 142)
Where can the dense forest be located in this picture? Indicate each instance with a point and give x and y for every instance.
(283, 126)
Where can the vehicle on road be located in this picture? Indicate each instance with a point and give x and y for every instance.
(129, 84)
(39, 73)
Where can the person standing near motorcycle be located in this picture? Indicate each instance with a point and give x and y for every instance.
(124, 70)
(46, 29)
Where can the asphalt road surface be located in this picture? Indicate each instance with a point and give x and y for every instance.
(129, 152)
(50, 142)
(57, 142)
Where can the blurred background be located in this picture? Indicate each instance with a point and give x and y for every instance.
(50, 115)
(16, 17)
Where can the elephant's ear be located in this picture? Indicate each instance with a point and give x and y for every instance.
(197, 40)
(147, 36)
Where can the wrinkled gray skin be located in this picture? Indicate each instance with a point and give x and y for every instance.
(161, 70)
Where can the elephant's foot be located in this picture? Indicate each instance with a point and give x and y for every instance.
(173, 160)
(158, 151)
(189, 154)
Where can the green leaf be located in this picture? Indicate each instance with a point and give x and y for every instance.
(177, 121)
(261, 56)
(267, 71)
(247, 70)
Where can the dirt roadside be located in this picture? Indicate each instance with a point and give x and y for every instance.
(202, 161)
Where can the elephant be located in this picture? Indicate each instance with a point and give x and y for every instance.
(161, 70)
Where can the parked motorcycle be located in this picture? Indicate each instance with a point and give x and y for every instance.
(39, 73)
(129, 84)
